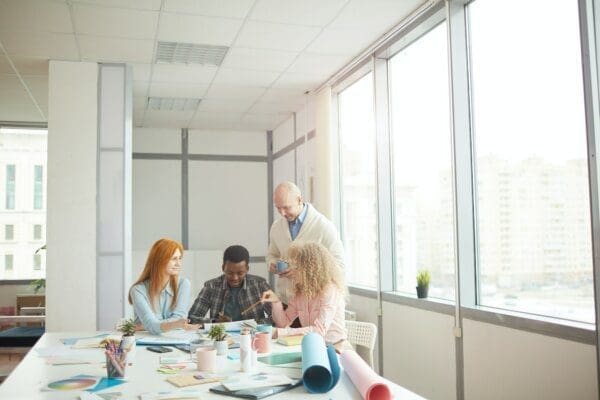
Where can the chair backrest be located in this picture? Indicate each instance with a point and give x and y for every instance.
(363, 334)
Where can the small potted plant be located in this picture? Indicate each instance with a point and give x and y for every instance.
(127, 327)
(218, 333)
(423, 278)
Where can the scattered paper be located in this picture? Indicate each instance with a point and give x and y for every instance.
(261, 379)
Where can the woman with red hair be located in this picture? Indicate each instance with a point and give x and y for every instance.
(160, 297)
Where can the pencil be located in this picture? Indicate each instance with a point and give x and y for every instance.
(251, 307)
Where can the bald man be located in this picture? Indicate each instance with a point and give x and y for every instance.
(299, 221)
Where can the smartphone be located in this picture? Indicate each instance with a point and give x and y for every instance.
(159, 349)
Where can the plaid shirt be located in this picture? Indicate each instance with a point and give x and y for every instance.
(213, 295)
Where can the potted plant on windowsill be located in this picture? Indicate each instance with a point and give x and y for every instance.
(39, 284)
(127, 327)
(423, 278)
(218, 333)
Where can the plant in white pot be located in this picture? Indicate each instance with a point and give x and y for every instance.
(423, 279)
(127, 327)
(218, 333)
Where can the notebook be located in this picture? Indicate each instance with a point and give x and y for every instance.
(294, 340)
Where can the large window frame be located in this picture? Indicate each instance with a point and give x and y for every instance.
(467, 302)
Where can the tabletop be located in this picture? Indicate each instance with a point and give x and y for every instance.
(34, 373)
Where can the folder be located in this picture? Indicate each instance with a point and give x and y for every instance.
(294, 340)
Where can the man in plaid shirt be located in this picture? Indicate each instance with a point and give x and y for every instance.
(233, 296)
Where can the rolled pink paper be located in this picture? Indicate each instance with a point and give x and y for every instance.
(370, 385)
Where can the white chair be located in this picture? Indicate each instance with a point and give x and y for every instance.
(363, 334)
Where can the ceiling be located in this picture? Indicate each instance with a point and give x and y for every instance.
(278, 50)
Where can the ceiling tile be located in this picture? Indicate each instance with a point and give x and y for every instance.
(35, 16)
(288, 96)
(232, 76)
(12, 90)
(20, 112)
(30, 65)
(38, 86)
(214, 120)
(261, 121)
(135, 4)
(266, 35)
(139, 103)
(96, 48)
(260, 59)
(211, 8)
(56, 46)
(318, 64)
(118, 22)
(305, 12)
(182, 90)
(381, 13)
(224, 106)
(227, 92)
(141, 72)
(286, 108)
(302, 82)
(167, 119)
(198, 29)
(341, 42)
(140, 88)
(183, 73)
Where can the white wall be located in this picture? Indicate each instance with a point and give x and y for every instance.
(71, 218)
(504, 363)
(419, 351)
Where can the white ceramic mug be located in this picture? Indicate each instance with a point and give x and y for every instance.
(206, 359)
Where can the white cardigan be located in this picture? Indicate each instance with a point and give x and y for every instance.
(315, 228)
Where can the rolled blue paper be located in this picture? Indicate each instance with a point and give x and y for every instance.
(320, 367)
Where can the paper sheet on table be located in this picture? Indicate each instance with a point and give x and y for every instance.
(90, 355)
(370, 385)
(234, 326)
(262, 379)
(320, 367)
(94, 342)
(186, 394)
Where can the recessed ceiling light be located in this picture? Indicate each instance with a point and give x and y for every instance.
(190, 53)
(172, 104)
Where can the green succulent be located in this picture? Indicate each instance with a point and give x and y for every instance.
(423, 278)
(127, 327)
(217, 332)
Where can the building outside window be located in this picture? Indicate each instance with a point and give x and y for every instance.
(37, 232)
(10, 187)
(533, 220)
(8, 262)
(9, 232)
(23, 154)
(358, 182)
(38, 187)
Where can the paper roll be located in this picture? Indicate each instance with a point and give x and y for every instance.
(370, 385)
(246, 353)
(320, 367)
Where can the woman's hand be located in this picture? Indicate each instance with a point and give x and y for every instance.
(190, 327)
(269, 297)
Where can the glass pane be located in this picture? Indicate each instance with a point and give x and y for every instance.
(423, 196)
(359, 190)
(530, 144)
(23, 154)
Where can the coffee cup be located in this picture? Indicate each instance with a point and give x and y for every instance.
(281, 266)
(206, 359)
(262, 342)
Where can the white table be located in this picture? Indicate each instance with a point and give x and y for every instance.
(33, 373)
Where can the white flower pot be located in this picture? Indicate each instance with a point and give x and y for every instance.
(128, 344)
(222, 347)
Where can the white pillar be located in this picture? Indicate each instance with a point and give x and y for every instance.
(89, 195)
(324, 183)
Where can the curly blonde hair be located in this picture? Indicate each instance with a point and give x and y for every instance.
(316, 268)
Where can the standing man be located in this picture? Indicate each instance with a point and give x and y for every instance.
(300, 221)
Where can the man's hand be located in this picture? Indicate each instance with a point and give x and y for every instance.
(269, 297)
(223, 318)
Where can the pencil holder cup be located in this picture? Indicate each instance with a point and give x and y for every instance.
(206, 359)
(115, 364)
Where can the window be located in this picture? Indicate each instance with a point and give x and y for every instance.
(358, 182)
(422, 164)
(37, 232)
(24, 151)
(37, 187)
(533, 221)
(9, 232)
(10, 187)
(8, 262)
(37, 262)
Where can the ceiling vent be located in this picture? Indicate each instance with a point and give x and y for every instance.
(172, 104)
(189, 53)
